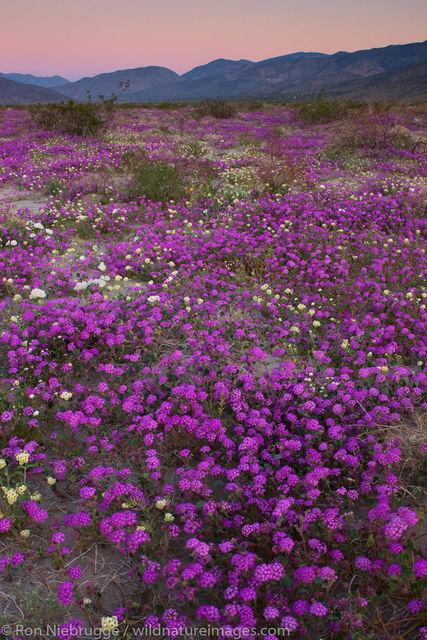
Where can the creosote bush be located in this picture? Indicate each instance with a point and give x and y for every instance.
(371, 132)
(70, 118)
(216, 109)
(254, 105)
(278, 176)
(320, 111)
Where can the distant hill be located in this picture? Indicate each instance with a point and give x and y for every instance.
(108, 84)
(301, 75)
(12, 92)
(215, 68)
(49, 82)
(391, 85)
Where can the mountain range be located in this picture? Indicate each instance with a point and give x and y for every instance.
(394, 72)
(49, 82)
(12, 92)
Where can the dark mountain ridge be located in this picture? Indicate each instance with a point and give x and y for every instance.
(109, 84)
(290, 74)
(12, 92)
(48, 82)
(366, 73)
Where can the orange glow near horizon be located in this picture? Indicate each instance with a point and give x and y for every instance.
(85, 37)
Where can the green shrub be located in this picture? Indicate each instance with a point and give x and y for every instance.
(158, 181)
(53, 187)
(195, 149)
(216, 109)
(320, 111)
(69, 118)
(254, 105)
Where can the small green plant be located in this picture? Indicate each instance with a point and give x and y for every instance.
(38, 605)
(194, 149)
(158, 181)
(53, 187)
(70, 118)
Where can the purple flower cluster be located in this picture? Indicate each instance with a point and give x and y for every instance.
(226, 390)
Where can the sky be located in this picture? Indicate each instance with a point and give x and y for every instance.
(76, 38)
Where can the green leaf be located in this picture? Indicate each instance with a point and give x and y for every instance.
(287, 582)
(370, 541)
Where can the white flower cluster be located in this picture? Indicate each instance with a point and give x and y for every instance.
(38, 226)
(37, 293)
(84, 284)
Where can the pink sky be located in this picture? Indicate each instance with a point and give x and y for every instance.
(75, 38)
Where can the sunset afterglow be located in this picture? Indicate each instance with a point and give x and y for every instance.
(86, 37)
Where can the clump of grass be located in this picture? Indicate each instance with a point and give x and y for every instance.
(69, 118)
(38, 606)
(158, 181)
(53, 187)
(410, 436)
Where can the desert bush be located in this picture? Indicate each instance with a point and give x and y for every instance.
(195, 149)
(250, 105)
(216, 109)
(273, 142)
(371, 133)
(385, 135)
(158, 181)
(320, 111)
(248, 139)
(168, 106)
(409, 435)
(255, 105)
(70, 118)
(380, 107)
(14, 107)
(279, 176)
(132, 158)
